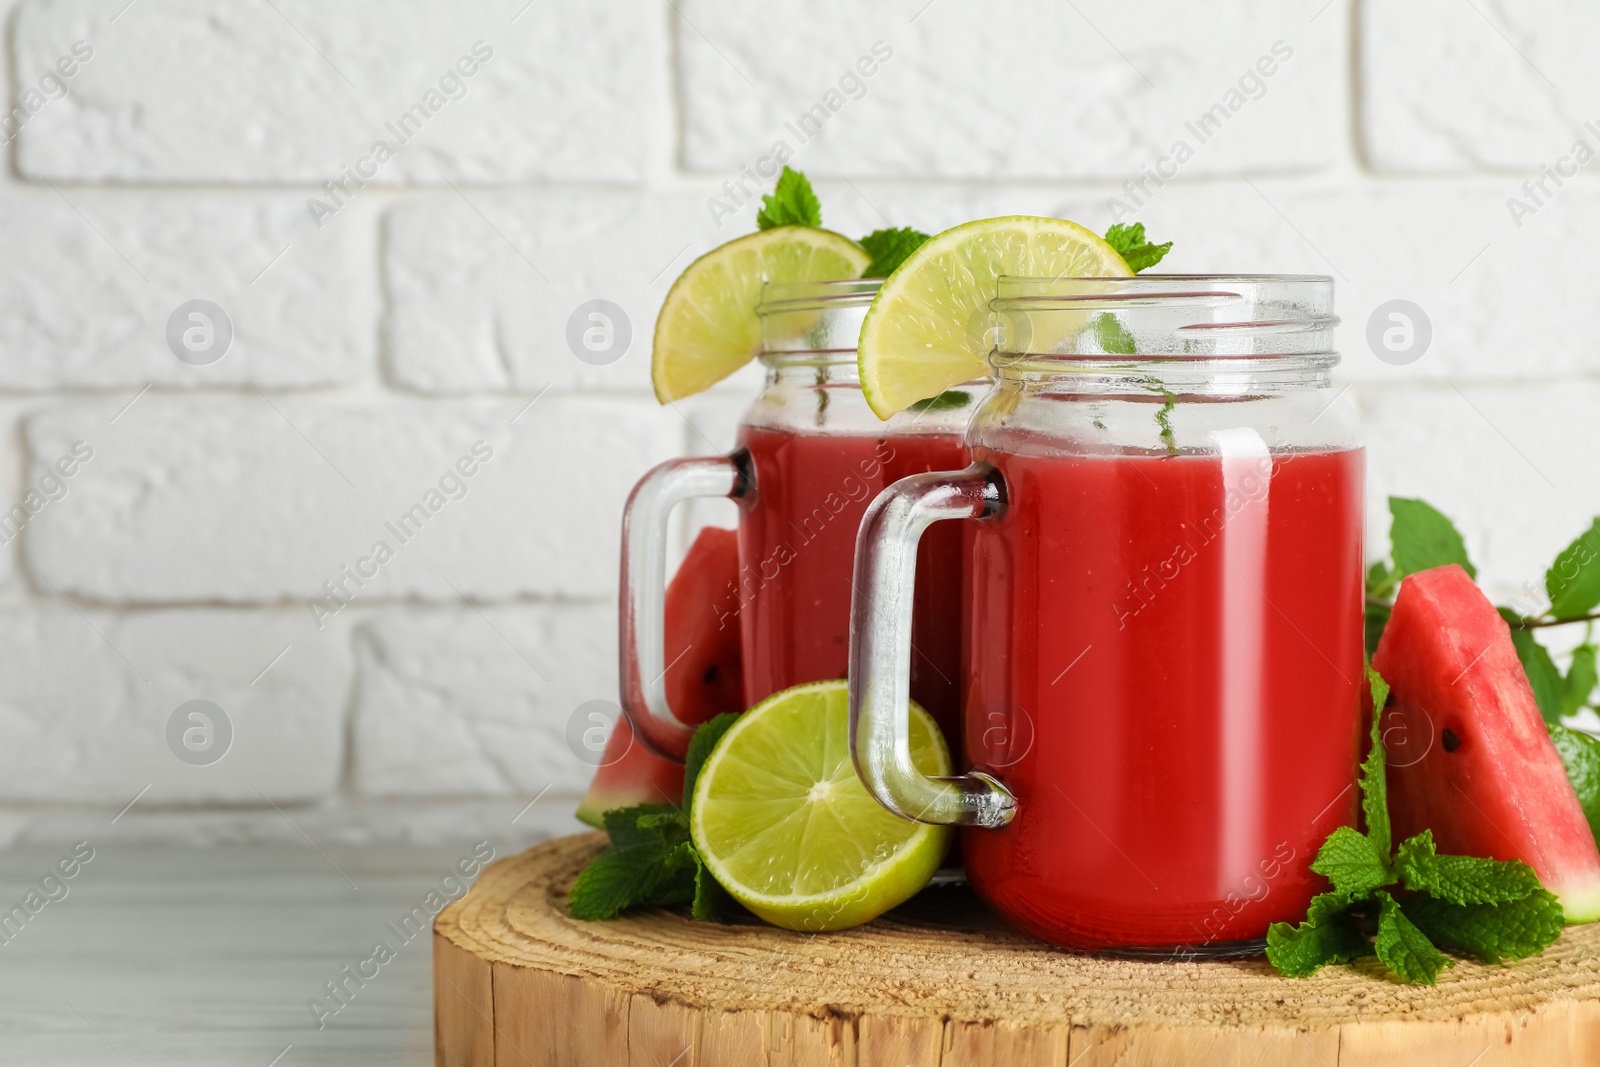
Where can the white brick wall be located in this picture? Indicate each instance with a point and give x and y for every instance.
(457, 703)
(381, 330)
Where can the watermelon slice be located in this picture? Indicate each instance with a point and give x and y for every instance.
(705, 677)
(1490, 781)
(705, 672)
(629, 774)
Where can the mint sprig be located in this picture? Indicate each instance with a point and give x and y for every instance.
(792, 203)
(1129, 241)
(651, 862)
(1491, 909)
(889, 248)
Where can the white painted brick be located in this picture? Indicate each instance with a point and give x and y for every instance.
(85, 701)
(1012, 89)
(1511, 464)
(91, 278)
(480, 293)
(454, 703)
(294, 90)
(1457, 87)
(1505, 303)
(246, 500)
(1523, 308)
(13, 588)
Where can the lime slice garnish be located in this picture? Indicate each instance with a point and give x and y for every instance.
(708, 329)
(919, 337)
(784, 824)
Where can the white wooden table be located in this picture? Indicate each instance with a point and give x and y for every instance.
(165, 955)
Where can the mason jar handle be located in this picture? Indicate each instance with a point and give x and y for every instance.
(880, 649)
(642, 613)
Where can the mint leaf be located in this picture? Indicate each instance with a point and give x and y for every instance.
(1462, 879)
(1403, 948)
(1327, 936)
(945, 401)
(1377, 617)
(1549, 689)
(712, 903)
(1374, 783)
(650, 861)
(1580, 681)
(1139, 254)
(792, 203)
(1381, 581)
(626, 826)
(1350, 860)
(1491, 932)
(700, 745)
(1573, 580)
(622, 878)
(889, 248)
(1112, 336)
(671, 825)
(1421, 537)
(1580, 754)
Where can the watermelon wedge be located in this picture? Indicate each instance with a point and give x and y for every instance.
(1489, 781)
(629, 774)
(705, 677)
(705, 672)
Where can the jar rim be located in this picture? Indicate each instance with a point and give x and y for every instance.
(1163, 318)
(780, 297)
(1026, 293)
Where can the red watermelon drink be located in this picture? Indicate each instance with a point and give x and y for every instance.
(811, 457)
(797, 539)
(1181, 636)
(1164, 597)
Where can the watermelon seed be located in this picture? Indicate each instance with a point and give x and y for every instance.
(1451, 741)
(711, 675)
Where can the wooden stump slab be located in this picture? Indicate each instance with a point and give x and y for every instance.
(941, 982)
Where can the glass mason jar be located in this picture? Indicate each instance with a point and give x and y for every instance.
(811, 456)
(1164, 613)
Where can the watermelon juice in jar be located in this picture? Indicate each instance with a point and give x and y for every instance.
(811, 456)
(1164, 652)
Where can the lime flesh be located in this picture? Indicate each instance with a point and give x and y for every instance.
(708, 328)
(922, 334)
(784, 824)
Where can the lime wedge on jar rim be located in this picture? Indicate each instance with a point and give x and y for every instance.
(708, 328)
(783, 823)
(917, 339)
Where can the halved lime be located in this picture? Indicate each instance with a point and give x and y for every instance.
(784, 824)
(918, 338)
(707, 328)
